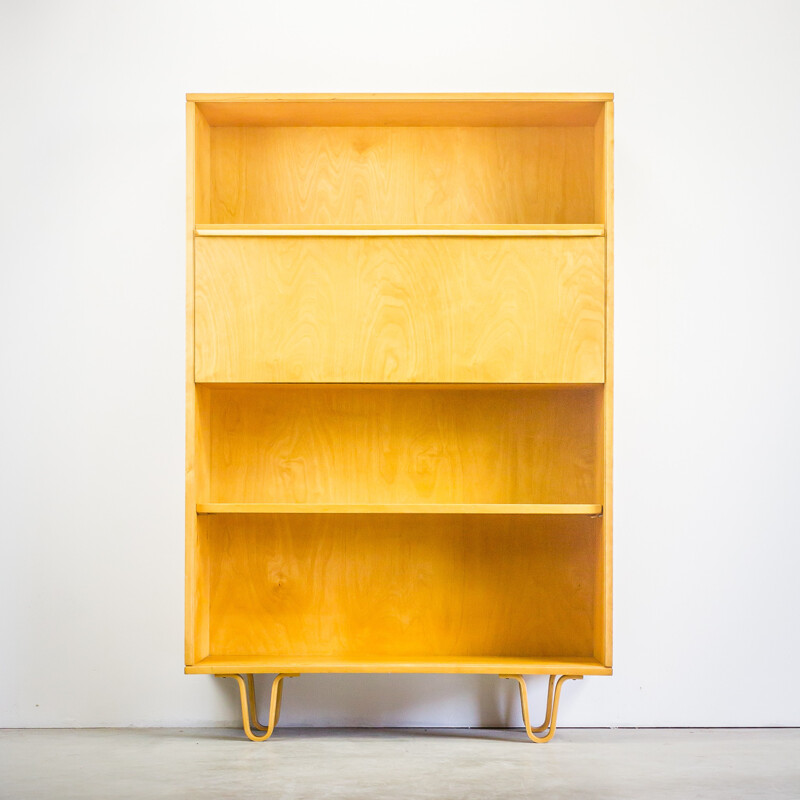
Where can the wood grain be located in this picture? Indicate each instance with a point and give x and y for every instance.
(404, 444)
(445, 309)
(196, 468)
(202, 169)
(286, 585)
(402, 175)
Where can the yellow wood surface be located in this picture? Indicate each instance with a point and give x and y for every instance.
(200, 168)
(383, 230)
(499, 110)
(440, 309)
(488, 665)
(433, 586)
(195, 594)
(398, 508)
(398, 444)
(402, 175)
(190, 498)
(603, 649)
(399, 383)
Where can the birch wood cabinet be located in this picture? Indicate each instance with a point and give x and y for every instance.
(399, 388)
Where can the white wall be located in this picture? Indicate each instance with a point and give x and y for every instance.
(92, 348)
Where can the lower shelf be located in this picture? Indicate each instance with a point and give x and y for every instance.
(489, 665)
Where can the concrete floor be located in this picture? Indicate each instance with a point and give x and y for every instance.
(433, 763)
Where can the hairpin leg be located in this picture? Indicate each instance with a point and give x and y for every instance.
(551, 712)
(247, 695)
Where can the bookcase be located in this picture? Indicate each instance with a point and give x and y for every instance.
(399, 388)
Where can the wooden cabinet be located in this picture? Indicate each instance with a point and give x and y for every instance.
(399, 387)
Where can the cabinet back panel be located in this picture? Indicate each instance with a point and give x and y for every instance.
(404, 444)
(417, 309)
(454, 586)
(401, 175)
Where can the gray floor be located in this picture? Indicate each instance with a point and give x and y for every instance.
(434, 763)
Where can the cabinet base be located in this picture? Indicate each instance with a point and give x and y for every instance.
(247, 695)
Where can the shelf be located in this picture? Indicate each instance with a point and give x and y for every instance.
(582, 509)
(486, 665)
(400, 230)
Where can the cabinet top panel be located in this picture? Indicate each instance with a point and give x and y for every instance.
(540, 109)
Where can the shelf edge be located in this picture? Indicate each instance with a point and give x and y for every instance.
(215, 665)
(548, 509)
(433, 230)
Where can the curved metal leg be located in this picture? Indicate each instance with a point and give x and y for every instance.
(247, 694)
(551, 713)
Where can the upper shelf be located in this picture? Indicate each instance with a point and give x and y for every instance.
(400, 230)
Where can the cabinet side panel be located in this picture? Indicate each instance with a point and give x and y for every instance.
(200, 590)
(191, 517)
(600, 182)
(202, 166)
(202, 490)
(603, 645)
(196, 619)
